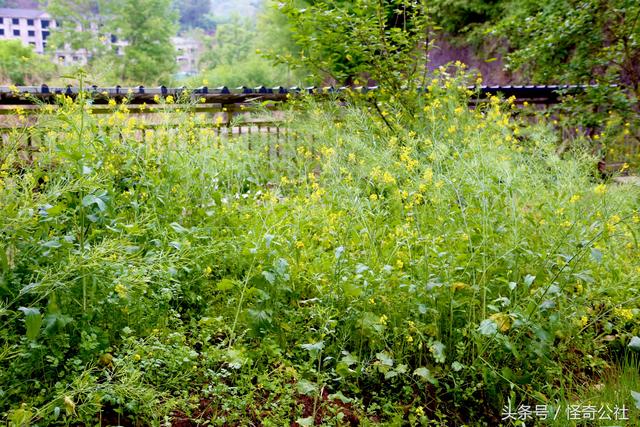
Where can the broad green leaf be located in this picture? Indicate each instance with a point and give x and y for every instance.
(32, 320)
(437, 349)
(225, 285)
(425, 374)
(308, 421)
(596, 254)
(528, 279)
(313, 348)
(488, 327)
(636, 397)
(52, 244)
(385, 358)
(178, 228)
(306, 387)
(634, 344)
(340, 396)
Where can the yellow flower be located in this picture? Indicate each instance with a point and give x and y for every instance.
(387, 178)
(600, 189)
(457, 286)
(399, 264)
(208, 271)
(136, 357)
(582, 322)
(383, 319)
(170, 99)
(121, 290)
(502, 320)
(409, 339)
(428, 175)
(623, 313)
(299, 244)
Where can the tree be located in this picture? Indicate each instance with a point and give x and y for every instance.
(19, 64)
(81, 25)
(233, 42)
(147, 26)
(195, 14)
(342, 40)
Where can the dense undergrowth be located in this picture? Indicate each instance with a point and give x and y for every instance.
(359, 270)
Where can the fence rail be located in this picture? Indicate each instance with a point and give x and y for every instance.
(32, 95)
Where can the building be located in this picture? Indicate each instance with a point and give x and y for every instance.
(31, 26)
(188, 51)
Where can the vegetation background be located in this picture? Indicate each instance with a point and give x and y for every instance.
(395, 257)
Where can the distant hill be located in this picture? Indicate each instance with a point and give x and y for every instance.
(223, 9)
(21, 4)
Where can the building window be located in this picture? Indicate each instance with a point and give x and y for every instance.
(30, 22)
(15, 21)
(1, 20)
(31, 33)
(1, 31)
(45, 35)
(44, 23)
(16, 33)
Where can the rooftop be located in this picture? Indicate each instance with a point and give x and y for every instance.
(22, 13)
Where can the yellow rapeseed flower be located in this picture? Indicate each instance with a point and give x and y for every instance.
(600, 189)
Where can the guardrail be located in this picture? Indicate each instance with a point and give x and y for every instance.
(31, 95)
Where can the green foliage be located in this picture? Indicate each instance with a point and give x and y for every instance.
(234, 60)
(76, 18)
(425, 263)
(146, 26)
(20, 65)
(234, 42)
(343, 40)
(195, 14)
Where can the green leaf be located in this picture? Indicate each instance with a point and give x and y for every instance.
(528, 279)
(178, 228)
(225, 285)
(91, 199)
(437, 349)
(32, 320)
(636, 397)
(313, 348)
(596, 254)
(488, 327)
(425, 375)
(52, 244)
(308, 421)
(4, 261)
(269, 276)
(341, 397)
(306, 387)
(385, 358)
